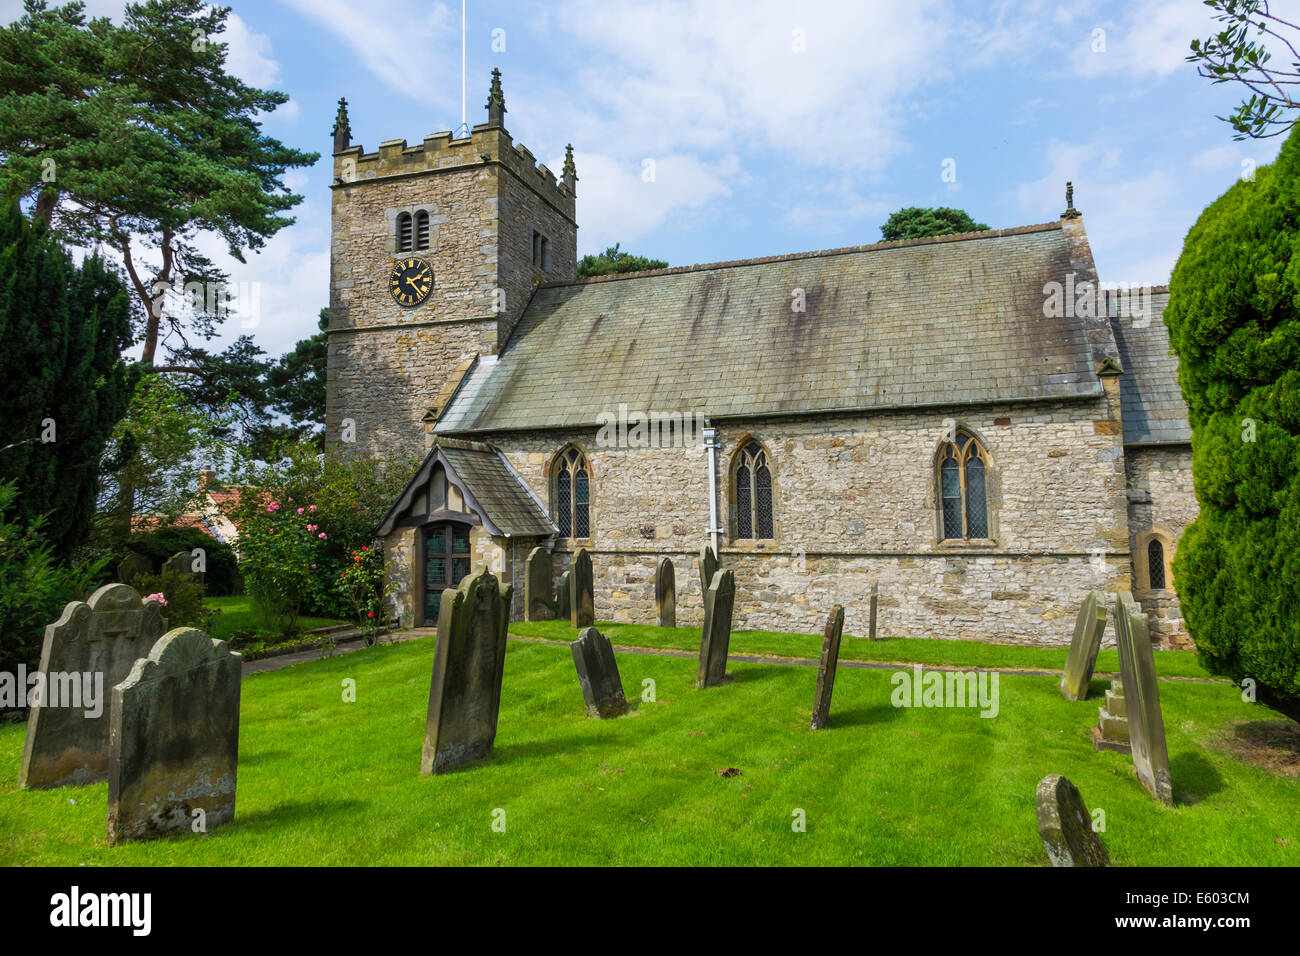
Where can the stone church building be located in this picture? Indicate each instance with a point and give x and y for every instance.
(949, 416)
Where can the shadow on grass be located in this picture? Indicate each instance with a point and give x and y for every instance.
(540, 748)
(261, 757)
(862, 716)
(294, 810)
(1194, 778)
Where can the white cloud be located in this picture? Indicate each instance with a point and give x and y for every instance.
(1127, 209)
(726, 75)
(398, 41)
(1152, 39)
(616, 204)
(248, 54)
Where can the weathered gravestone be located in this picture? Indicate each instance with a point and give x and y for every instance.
(602, 688)
(468, 663)
(1089, 626)
(174, 741)
(875, 604)
(1111, 732)
(708, 568)
(87, 651)
(133, 566)
(666, 593)
(1066, 826)
(538, 603)
(562, 598)
(826, 669)
(1146, 725)
(182, 563)
(582, 598)
(718, 602)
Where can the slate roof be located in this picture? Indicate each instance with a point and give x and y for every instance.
(1151, 401)
(495, 490)
(942, 321)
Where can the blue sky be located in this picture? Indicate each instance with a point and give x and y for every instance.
(774, 127)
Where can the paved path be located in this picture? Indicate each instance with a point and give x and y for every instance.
(314, 654)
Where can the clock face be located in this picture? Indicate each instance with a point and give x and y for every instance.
(411, 281)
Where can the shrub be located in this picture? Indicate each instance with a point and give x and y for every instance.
(1234, 320)
(34, 588)
(182, 598)
(221, 576)
(282, 550)
(361, 584)
(350, 496)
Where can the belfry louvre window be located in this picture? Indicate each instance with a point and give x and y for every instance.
(404, 232)
(541, 252)
(422, 230)
(571, 499)
(752, 492)
(1156, 564)
(963, 492)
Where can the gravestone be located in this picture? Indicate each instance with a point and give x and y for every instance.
(598, 675)
(562, 598)
(1111, 732)
(826, 669)
(182, 563)
(132, 567)
(666, 593)
(538, 603)
(1089, 626)
(1066, 826)
(468, 663)
(1146, 725)
(174, 739)
(875, 603)
(708, 568)
(95, 644)
(582, 599)
(718, 602)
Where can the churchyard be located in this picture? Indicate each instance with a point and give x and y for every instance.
(329, 768)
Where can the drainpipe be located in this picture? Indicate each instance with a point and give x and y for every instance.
(711, 443)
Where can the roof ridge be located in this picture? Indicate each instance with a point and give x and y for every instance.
(790, 256)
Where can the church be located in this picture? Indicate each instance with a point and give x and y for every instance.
(965, 420)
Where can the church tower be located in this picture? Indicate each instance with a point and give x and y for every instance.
(435, 250)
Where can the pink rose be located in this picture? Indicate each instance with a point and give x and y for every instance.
(300, 511)
(321, 535)
(311, 507)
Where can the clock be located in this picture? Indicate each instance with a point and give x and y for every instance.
(411, 281)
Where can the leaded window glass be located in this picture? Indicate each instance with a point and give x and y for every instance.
(752, 493)
(447, 561)
(963, 490)
(571, 503)
(1156, 564)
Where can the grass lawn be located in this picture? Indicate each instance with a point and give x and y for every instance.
(322, 781)
(237, 615)
(921, 650)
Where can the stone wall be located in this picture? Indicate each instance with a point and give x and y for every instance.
(1160, 497)
(855, 499)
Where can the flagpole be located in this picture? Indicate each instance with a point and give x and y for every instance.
(464, 124)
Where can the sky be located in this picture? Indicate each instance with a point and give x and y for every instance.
(773, 127)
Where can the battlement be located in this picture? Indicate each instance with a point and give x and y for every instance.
(486, 145)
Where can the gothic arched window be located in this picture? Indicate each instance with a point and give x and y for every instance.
(1156, 564)
(571, 494)
(963, 466)
(422, 230)
(404, 232)
(751, 490)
